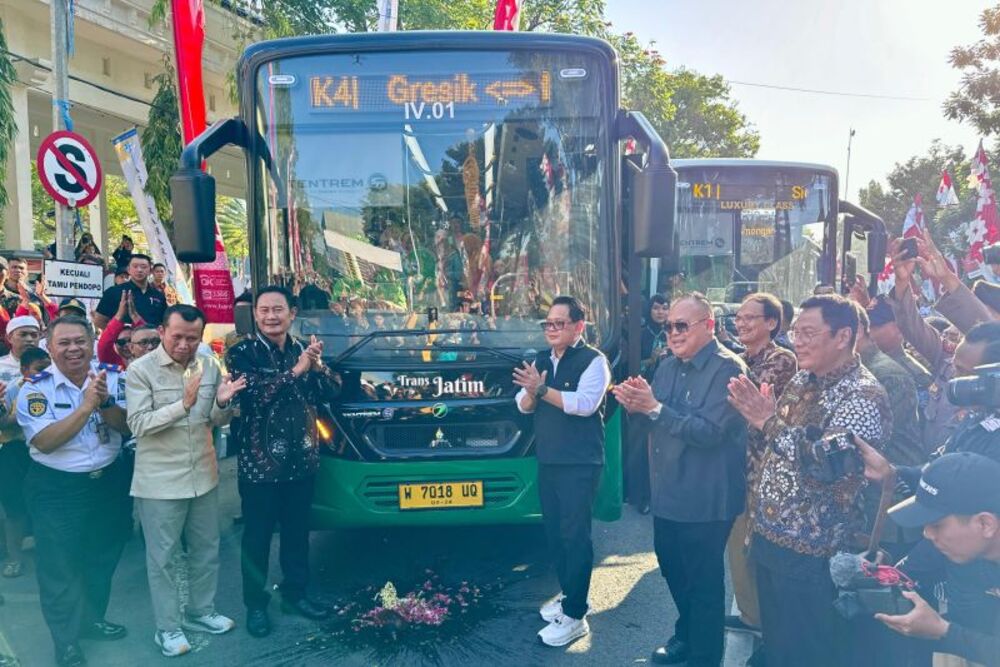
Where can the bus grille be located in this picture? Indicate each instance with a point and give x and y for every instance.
(446, 438)
(383, 493)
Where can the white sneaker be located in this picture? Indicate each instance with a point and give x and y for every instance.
(172, 643)
(214, 623)
(552, 608)
(562, 630)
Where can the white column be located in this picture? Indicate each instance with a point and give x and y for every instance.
(98, 210)
(18, 226)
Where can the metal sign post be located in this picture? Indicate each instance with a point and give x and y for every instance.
(60, 112)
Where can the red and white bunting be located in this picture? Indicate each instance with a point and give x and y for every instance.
(946, 191)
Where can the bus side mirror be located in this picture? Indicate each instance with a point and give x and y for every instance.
(243, 318)
(654, 196)
(192, 195)
(878, 242)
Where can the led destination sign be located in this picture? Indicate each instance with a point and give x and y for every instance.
(733, 197)
(411, 93)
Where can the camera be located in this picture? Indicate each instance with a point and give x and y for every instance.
(991, 254)
(982, 389)
(831, 456)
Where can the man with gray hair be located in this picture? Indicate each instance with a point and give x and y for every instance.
(75, 486)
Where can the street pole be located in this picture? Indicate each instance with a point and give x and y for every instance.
(60, 95)
(847, 176)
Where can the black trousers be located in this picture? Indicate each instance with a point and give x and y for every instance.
(80, 526)
(799, 621)
(266, 504)
(692, 560)
(567, 495)
(637, 465)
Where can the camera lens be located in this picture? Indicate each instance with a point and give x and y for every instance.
(968, 390)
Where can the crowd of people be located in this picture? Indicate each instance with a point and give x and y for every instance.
(782, 444)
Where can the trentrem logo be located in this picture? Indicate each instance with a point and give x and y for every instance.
(439, 410)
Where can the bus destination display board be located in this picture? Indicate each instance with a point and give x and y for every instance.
(738, 197)
(420, 95)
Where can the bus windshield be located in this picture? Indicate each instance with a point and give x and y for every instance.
(751, 228)
(453, 191)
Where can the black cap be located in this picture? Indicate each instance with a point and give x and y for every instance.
(962, 483)
(76, 304)
(880, 312)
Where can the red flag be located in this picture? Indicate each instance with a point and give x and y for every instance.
(507, 16)
(985, 228)
(913, 225)
(213, 285)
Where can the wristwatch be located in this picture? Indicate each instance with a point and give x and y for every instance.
(541, 391)
(654, 414)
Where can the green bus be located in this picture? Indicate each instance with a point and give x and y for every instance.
(747, 225)
(428, 195)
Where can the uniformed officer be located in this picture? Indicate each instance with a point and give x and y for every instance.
(75, 486)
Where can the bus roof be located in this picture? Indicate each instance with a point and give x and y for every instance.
(427, 40)
(748, 162)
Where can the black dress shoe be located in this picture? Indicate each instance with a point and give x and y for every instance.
(258, 623)
(70, 656)
(737, 624)
(103, 631)
(306, 608)
(674, 653)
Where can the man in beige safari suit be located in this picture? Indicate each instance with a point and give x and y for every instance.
(175, 396)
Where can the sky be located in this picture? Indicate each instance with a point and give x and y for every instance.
(894, 48)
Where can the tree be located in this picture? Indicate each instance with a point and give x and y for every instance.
(231, 216)
(977, 100)
(162, 144)
(8, 128)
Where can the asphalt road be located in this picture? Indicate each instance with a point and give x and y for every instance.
(632, 612)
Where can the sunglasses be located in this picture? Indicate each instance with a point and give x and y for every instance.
(150, 343)
(557, 325)
(681, 327)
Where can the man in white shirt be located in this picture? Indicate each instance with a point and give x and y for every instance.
(22, 332)
(565, 388)
(75, 486)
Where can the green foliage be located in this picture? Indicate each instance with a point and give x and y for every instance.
(977, 100)
(8, 128)
(162, 143)
(42, 211)
(231, 216)
(123, 220)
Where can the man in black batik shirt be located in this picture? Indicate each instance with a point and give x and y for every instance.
(286, 380)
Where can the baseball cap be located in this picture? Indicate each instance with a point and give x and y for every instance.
(70, 302)
(962, 483)
(20, 322)
(880, 313)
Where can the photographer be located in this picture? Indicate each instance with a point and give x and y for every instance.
(957, 501)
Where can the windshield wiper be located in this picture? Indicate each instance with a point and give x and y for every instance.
(435, 346)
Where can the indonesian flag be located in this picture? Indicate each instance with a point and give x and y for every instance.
(946, 191)
(887, 279)
(213, 284)
(507, 16)
(913, 225)
(985, 228)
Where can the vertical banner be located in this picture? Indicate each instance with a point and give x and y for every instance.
(388, 15)
(507, 15)
(129, 152)
(213, 286)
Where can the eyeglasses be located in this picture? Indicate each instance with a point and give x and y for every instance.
(122, 342)
(804, 337)
(681, 327)
(746, 319)
(555, 325)
(151, 343)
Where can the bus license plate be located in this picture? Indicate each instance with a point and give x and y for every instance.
(441, 495)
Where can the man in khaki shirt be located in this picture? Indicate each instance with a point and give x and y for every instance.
(175, 396)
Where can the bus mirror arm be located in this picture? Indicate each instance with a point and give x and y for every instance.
(192, 191)
(861, 219)
(653, 189)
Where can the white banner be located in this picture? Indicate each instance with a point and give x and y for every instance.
(84, 281)
(388, 15)
(129, 152)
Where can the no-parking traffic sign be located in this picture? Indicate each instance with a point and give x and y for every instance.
(68, 169)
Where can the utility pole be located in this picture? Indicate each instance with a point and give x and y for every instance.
(847, 176)
(60, 97)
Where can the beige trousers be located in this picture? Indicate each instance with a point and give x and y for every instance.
(163, 523)
(744, 582)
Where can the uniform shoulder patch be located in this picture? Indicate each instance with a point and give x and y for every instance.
(37, 404)
(114, 368)
(38, 377)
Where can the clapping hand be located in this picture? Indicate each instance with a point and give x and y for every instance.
(122, 306)
(228, 388)
(97, 390)
(635, 395)
(315, 352)
(191, 390)
(528, 378)
(756, 405)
